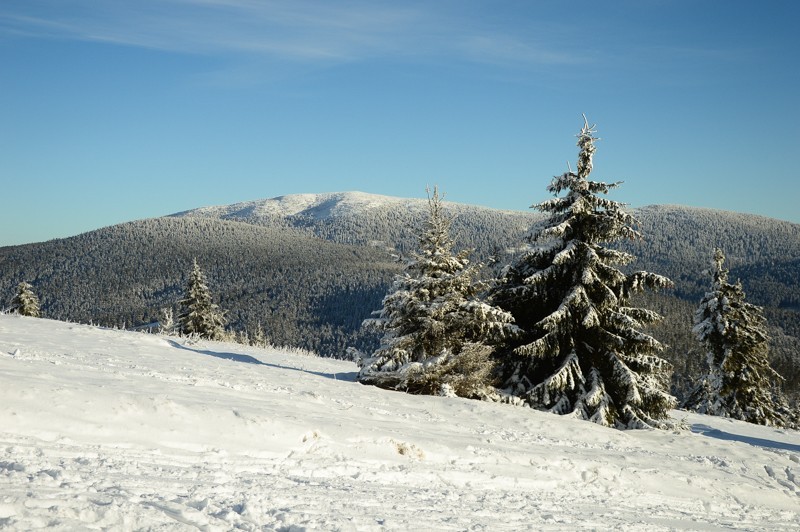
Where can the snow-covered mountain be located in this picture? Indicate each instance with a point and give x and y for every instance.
(370, 219)
(320, 207)
(267, 266)
(677, 240)
(113, 430)
(317, 206)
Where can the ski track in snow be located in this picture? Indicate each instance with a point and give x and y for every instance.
(114, 430)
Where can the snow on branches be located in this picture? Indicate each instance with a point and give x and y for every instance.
(25, 302)
(199, 314)
(581, 351)
(438, 335)
(739, 382)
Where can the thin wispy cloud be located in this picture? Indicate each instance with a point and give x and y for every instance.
(305, 30)
(510, 50)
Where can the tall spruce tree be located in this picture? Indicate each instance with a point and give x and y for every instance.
(438, 336)
(739, 382)
(25, 301)
(583, 351)
(199, 314)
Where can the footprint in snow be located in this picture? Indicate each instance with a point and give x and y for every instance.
(787, 478)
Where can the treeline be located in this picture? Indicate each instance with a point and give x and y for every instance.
(310, 281)
(763, 252)
(304, 292)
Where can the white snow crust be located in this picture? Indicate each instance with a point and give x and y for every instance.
(314, 206)
(319, 206)
(114, 430)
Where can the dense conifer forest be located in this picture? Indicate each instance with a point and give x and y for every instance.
(304, 291)
(311, 273)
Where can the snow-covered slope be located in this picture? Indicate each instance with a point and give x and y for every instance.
(104, 429)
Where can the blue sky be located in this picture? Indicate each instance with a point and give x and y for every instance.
(115, 110)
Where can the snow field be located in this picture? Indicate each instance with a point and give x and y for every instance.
(115, 430)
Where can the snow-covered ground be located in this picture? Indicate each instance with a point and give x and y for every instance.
(115, 430)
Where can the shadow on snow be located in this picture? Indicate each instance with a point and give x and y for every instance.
(247, 359)
(711, 432)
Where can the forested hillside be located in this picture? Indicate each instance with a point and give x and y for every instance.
(676, 241)
(305, 292)
(311, 267)
(380, 221)
(763, 252)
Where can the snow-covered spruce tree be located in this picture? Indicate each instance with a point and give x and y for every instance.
(259, 337)
(166, 323)
(739, 382)
(25, 303)
(199, 315)
(438, 336)
(582, 351)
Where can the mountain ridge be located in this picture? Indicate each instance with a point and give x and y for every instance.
(329, 203)
(349, 202)
(310, 268)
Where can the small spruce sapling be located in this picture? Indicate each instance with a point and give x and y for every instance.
(259, 337)
(200, 316)
(25, 302)
(166, 324)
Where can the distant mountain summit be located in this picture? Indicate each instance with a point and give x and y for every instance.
(330, 205)
(675, 238)
(306, 206)
(369, 219)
